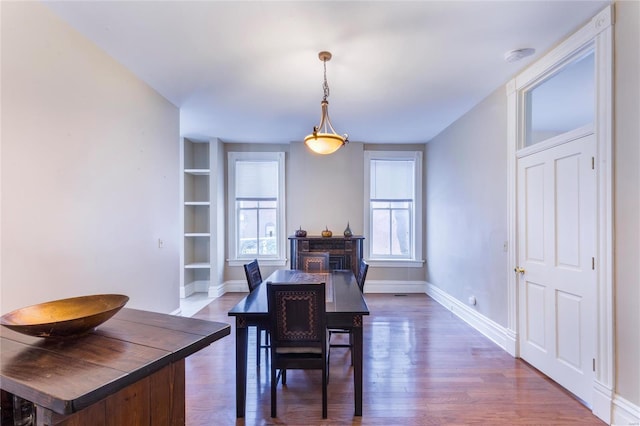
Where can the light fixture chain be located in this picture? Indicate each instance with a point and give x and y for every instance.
(325, 85)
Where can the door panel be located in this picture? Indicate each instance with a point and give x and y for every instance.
(568, 314)
(568, 209)
(534, 181)
(536, 324)
(556, 242)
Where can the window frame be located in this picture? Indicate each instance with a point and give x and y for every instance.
(415, 259)
(234, 259)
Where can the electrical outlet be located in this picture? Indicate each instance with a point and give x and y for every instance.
(160, 243)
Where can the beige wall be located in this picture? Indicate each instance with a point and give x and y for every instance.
(466, 205)
(325, 190)
(627, 200)
(89, 177)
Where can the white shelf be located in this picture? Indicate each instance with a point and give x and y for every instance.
(197, 172)
(198, 265)
(195, 180)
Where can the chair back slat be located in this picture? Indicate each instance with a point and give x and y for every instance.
(252, 272)
(362, 274)
(314, 261)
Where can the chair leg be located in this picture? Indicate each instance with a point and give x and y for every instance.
(258, 340)
(325, 380)
(273, 391)
(267, 343)
(328, 361)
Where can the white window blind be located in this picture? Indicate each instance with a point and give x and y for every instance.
(392, 179)
(256, 179)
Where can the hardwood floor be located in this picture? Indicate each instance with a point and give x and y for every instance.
(422, 366)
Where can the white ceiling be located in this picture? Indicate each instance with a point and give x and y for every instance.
(248, 71)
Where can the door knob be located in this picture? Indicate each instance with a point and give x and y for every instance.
(518, 270)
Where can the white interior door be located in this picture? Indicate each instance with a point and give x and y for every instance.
(556, 248)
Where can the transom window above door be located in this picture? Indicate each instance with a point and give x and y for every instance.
(561, 101)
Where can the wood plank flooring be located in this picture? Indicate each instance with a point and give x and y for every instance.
(422, 366)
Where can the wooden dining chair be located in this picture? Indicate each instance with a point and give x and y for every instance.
(254, 279)
(316, 261)
(360, 279)
(362, 274)
(297, 314)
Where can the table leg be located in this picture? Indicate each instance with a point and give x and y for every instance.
(242, 343)
(357, 362)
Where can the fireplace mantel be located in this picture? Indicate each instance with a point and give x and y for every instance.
(344, 252)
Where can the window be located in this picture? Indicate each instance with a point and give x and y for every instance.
(563, 101)
(393, 220)
(256, 206)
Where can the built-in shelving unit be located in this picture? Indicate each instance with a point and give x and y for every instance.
(196, 198)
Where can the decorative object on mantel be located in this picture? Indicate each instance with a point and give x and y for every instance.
(324, 139)
(347, 231)
(326, 232)
(301, 233)
(64, 318)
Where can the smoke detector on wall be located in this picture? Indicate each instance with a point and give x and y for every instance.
(517, 54)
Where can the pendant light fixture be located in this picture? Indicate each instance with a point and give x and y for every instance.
(324, 139)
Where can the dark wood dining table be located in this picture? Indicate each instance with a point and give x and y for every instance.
(345, 308)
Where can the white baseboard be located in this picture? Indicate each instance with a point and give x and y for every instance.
(602, 406)
(194, 287)
(233, 286)
(186, 291)
(624, 412)
(394, 287)
(490, 329)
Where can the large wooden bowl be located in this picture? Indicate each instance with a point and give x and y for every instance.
(65, 317)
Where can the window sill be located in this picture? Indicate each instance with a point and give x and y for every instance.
(388, 263)
(265, 262)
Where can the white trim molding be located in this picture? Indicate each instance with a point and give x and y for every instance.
(396, 263)
(394, 287)
(624, 412)
(233, 158)
(233, 286)
(487, 327)
(194, 287)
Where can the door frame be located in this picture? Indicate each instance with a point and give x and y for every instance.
(597, 33)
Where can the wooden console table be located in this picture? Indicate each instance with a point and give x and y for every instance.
(128, 371)
(344, 252)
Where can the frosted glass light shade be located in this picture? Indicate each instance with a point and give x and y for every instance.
(324, 143)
